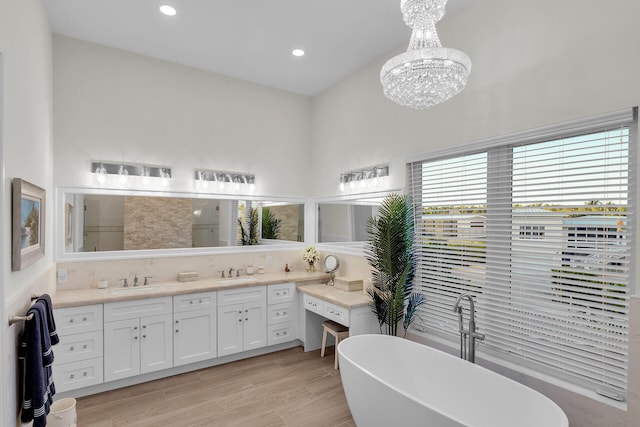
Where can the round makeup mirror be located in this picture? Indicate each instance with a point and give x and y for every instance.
(331, 265)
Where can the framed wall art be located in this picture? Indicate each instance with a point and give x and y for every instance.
(28, 223)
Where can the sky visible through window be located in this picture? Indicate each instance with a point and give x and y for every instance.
(569, 172)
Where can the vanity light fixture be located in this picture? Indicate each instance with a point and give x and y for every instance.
(231, 182)
(130, 175)
(297, 52)
(361, 180)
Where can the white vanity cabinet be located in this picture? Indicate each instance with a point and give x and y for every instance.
(79, 355)
(242, 319)
(326, 309)
(280, 313)
(194, 327)
(138, 337)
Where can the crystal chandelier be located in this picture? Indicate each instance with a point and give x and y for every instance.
(427, 73)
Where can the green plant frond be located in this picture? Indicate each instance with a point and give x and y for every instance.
(389, 252)
(414, 301)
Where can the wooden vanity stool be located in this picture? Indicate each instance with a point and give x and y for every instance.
(339, 331)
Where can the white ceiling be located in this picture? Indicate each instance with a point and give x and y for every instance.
(246, 39)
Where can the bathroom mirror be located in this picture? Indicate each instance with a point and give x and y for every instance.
(343, 220)
(120, 221)
(331, 265)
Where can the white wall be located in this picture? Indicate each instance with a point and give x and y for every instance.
(113, 105)
(534, 64)
(25, 42)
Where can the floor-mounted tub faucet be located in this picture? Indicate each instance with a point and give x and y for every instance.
(470, 333)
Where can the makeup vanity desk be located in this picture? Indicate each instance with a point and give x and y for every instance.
(321, 302)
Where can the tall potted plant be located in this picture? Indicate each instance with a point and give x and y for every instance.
(389, 252)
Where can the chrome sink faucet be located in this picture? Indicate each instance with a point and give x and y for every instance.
(231, 272)
(467, 353)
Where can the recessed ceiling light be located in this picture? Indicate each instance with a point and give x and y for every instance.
(168, 10)
(297, 52)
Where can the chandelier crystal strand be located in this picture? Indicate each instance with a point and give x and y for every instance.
(427, 73)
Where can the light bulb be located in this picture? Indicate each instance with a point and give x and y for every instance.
(145, 176)
(168, 10)
(101, 174)
(164, 178)
(123, 176)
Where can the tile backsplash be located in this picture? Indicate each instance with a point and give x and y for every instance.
(86, 274)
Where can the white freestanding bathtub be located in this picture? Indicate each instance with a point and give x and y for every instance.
(391, 381)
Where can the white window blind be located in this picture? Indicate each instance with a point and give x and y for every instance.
(541, 232)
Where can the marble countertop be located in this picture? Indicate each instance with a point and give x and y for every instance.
(78, 297)
(335, 296)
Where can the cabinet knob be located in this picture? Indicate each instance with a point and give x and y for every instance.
(135, 338)
(177, 321)
(239, 311)
(71, 320)
(277, 334)
(71, 348)
(177, 330)
(84, 319)
(239, 320)
(144, 326)
(246, 318)
(84, 374)
(191, 302)
(200, 301)
(84, 346)
(144, 336)
(135, 328)
(72, 376)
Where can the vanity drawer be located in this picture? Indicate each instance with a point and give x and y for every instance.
(70, 376)
(313, 304)
(138, 308)
(72, 348)
(280, 313)
(73, 320)
(281, 293)
(336, 313)
(190, 302)
(242, 295)
(280, 333)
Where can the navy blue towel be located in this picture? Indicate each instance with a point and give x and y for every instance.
(35, 350)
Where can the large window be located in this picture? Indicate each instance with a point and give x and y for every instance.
(539, 228)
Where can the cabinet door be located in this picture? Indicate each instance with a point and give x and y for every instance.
(194, 336)
(255, 325)
(156, 343)
(121, 349)
(230, 325)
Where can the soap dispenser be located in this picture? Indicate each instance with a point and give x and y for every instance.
(249, 268)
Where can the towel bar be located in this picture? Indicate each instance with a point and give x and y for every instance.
(15, 319)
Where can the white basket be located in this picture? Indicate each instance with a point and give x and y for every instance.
(62, 413)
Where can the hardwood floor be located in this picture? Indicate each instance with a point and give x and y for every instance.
(286, 388)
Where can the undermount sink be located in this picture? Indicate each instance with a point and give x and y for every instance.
(134, 289)
(235, 280)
